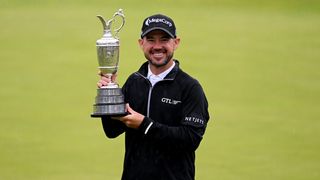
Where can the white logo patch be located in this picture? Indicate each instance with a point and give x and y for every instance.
(157, 20)
(194, 119)
(170, 101)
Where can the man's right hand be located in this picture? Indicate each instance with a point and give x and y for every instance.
(105, 79)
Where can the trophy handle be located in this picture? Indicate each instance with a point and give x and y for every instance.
(119, 13)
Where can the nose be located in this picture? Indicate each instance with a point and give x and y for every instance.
(157, 44)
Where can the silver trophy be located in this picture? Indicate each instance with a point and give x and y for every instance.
(109, 100)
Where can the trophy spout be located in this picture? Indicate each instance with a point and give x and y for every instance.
(104, 24)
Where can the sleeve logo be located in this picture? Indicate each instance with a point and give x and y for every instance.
(194, 119)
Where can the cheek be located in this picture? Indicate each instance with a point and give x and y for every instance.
(172, 48)
(146, 50)
(145, 46)
(175, 46)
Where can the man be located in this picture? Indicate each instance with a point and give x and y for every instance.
(168, 110)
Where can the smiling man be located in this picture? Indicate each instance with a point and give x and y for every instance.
(168, 110)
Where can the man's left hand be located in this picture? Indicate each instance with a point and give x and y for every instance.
(133, 120)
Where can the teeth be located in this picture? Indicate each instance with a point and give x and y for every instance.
(158, 54)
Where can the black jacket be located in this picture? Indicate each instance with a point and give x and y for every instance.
(176, 115)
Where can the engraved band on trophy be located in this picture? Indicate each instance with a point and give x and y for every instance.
(109, 100)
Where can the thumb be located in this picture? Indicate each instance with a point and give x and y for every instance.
(129, 109)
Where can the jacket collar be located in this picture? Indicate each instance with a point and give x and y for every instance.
(172, 74)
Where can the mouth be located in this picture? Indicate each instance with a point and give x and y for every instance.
(158, 53)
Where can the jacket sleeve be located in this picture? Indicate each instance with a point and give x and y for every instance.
(112, 128)
(188, 134)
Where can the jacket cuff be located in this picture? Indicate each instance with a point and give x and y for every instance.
(145, 125)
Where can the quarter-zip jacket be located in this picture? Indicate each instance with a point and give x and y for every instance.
(176, 116)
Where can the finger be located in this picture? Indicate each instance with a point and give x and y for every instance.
(103, 83)
(105, 78)
(108, 76)
(101, 74)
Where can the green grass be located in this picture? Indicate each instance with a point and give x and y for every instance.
(257, 61)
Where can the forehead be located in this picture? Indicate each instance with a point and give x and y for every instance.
(157, 33)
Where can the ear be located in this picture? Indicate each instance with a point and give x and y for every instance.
(140, 41)
(176, 43)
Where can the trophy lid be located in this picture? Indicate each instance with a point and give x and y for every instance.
(107, 40)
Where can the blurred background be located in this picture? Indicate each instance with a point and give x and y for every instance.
(258, 62)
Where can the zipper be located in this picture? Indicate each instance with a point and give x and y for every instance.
(149, 95)
(149, 99)
(150, 90)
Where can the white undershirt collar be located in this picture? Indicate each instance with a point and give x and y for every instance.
(156, 78)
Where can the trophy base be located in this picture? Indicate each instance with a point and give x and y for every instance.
(108, 115)
(109, 102)
(111, 110)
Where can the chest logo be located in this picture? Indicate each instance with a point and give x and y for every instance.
(170, 101)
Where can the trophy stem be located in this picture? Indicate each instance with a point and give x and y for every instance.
(110, 86)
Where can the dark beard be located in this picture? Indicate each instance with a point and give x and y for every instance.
(165, 62)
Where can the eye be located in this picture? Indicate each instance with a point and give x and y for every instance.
(165, 39)
(150, 39)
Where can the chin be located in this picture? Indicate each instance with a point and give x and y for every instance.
(159, 63)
